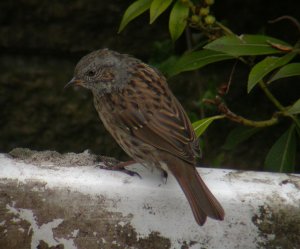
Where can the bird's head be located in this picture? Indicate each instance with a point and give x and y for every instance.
(102, 71)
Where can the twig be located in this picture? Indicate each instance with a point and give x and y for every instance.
(270, 96)
(239, 119)
(286, 17)
(230, 77)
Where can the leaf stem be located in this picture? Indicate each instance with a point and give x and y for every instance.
(224, 28)
(270, 96)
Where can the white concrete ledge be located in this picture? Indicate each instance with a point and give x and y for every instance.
(48, 199)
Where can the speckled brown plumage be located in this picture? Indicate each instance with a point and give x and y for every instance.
(137, 107)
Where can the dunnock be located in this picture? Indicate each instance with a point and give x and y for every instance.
(136, 106)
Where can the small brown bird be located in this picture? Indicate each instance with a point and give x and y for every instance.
(137, 107)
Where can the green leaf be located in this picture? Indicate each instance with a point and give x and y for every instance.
(178, 19)
(262, 68)
(246, 45)
(195, 60)
(134, 10)
(239, 135)
(281, 157)
(292, 69)
(166, 66)
(295, 108)
(157, 8)
(201, 125)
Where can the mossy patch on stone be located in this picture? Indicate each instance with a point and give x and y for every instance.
(280, 226)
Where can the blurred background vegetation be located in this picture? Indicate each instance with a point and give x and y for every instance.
(41, 41)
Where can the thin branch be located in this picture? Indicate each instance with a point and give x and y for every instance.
(270, 96)
(240, 119)
(231, 75)
(286, 17)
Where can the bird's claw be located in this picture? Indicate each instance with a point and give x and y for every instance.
(120, 167)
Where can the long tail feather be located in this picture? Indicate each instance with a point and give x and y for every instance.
(201, 200)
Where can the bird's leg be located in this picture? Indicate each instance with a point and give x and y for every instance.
(113, 164)
(164, 175)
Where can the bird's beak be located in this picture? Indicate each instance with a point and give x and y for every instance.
(74, 82)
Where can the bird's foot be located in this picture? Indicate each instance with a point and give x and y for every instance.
(118, 166)
(121, 167)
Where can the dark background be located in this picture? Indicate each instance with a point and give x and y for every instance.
(41, 42)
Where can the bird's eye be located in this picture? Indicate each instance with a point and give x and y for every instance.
(90, 73)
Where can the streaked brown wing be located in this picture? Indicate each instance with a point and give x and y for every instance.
(155, 116)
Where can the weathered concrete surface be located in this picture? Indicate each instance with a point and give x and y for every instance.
(50, 200)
